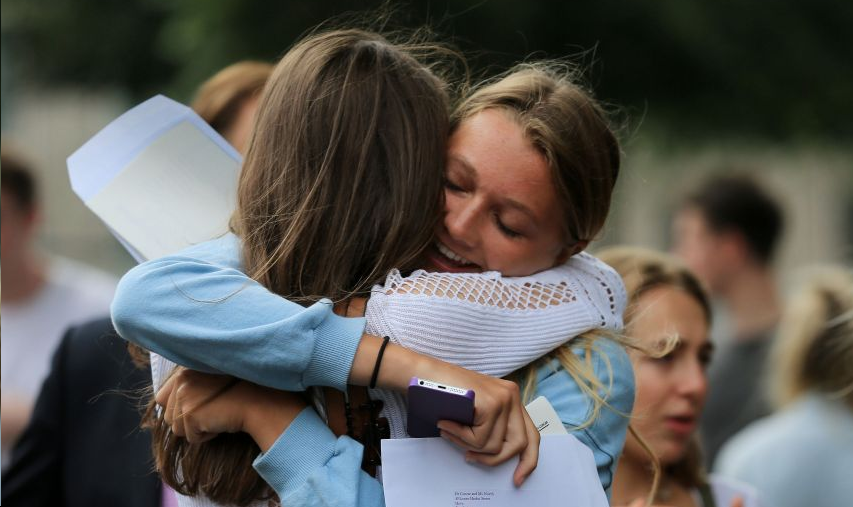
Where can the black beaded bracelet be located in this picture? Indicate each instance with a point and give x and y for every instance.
(375, 374)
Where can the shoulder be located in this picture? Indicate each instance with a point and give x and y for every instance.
(226, 248)
(611, 366)
(94, 345)
(725, 490)
(604, 287)
(764, 447)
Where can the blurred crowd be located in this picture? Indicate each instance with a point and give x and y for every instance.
(754, 403)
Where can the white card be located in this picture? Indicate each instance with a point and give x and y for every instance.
(545, 417)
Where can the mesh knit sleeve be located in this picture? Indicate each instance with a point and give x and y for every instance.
(495, 324)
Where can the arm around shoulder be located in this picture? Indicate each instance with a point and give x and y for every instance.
(198, 309)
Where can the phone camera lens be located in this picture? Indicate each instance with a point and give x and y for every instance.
(422, 382)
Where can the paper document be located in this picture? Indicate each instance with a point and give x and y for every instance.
(432, 472)
(160, 178)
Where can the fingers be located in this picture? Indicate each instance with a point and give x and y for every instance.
(502, 429)
(529, 457)
(737, 502)
(497, 402)
(522, 440)
(185, 392)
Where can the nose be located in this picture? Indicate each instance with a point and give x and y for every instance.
(460, 220)
(693, 381)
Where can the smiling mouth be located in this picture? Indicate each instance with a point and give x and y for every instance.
(451, 255)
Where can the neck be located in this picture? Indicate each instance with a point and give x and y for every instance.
(753, 302)
(633, 480)
(23, 278)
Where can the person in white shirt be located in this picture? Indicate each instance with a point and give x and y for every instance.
(42, 296)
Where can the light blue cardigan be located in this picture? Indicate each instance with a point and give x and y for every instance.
(197, 308)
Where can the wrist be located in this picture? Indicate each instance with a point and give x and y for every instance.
(269, 413)
(401, 364)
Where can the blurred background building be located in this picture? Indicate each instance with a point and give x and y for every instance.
(700, 86)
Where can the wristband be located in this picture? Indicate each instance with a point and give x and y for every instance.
(375, 374)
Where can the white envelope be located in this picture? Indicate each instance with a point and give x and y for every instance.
(431, 472)
(159, 177)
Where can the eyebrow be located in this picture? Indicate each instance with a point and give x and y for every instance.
(470, 172)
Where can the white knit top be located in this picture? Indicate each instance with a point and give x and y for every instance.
(481, 321)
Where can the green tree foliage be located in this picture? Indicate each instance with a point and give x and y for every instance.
(780, 69)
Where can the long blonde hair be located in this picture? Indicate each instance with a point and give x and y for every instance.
(814, 348)
(219, 99)
(643, 270)
(566, 124)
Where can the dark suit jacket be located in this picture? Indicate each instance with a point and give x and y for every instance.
(83, 446)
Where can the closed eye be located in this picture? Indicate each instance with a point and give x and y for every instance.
(506, 231)
(449, 185)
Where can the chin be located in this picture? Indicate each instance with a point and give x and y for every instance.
(671, 452)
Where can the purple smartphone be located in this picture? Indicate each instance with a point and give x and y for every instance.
(430, 402)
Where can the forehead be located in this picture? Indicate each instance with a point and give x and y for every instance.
(667, 310)
(691, 221)
(490, 147)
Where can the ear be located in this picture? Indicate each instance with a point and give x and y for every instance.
(569, 251)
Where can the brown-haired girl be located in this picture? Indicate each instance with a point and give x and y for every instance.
(302, 238)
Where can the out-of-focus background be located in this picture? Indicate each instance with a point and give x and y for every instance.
(696, 87)
(701, 86)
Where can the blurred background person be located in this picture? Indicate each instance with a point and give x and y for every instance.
(726, 231)
(41, 297)
(82, 446)
(228, 100)
(667, 307)
(803, 454)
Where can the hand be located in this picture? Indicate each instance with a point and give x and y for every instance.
(501, 429)
(199, 406)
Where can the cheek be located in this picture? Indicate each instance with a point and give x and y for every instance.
(651, 390)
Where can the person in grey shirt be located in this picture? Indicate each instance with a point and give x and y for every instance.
(727, 231)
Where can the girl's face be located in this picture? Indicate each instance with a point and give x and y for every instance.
(671, 389)
(501, 208)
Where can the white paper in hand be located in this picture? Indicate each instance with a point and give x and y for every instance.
(431, 472)
(160, 178)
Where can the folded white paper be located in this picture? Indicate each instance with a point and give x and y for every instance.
(160, 178)
(431, 472)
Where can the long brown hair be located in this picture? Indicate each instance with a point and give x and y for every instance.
(342, 180)
(341, 183)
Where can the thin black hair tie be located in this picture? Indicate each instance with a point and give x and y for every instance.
(375, 374)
